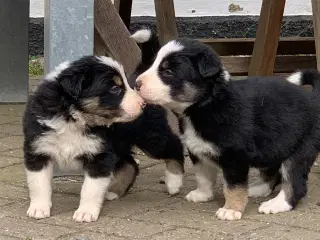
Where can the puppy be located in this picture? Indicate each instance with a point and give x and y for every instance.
(261, 122)
(68, 120)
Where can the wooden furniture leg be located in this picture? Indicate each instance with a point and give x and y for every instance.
(268, 33)
(166, 20)
(115, 35)
(316, 26)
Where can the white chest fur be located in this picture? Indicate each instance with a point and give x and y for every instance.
(66, 142)
(195, 144)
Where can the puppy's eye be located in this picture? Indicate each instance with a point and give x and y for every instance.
(116, 90)
(168, 72)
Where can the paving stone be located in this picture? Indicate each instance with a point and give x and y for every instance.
(273, 232)
(5, 237)
(60, 204)
(111, 225)
(10, 142)
(3, 135)
(6, 161)
(90, 236)
(293, 218)
(12, 153)
(5, 201)
(12, 109)
(13, 130)
(30, 229)
(4, 119)
(201, 220)
(14, 175)
(13, 192)
(185, 233)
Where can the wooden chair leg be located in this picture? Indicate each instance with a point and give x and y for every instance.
(115, 35)
(316, 26)
(268, 33)
(166, 20)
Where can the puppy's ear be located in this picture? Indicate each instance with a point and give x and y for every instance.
(209, 65)
(72, 85)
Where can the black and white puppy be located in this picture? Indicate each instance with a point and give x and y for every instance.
(261, 122)
(66, 122)
(84, 116)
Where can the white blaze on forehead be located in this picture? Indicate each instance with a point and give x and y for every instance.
(117, 66)
(170, 47)
(51, 76)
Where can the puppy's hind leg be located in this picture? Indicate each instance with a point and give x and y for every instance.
(124, 177)
(294, 173)
(269, 178)
(39, 170)
(206, 175)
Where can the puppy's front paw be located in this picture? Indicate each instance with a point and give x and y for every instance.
(275, 205)
(39, 210)
(86, 213)
(228, 214)
(199, 195)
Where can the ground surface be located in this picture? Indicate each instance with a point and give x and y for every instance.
(147, 212)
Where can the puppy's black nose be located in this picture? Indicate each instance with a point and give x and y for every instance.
(138, 85)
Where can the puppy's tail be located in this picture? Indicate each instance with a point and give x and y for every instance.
(306, 77)
(149, 44)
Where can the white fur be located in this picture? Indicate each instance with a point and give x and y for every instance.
(65, 142)
(259, 189)
(197, 145)
(206, 174)
(56, 72)
(111, 196)
(295, 78)
(228, 214)
(153, 89)
(39, 183)
(276, 205)
(142, 35)
(226, 75)
(117, 66)
(92, 195)
(173, 182)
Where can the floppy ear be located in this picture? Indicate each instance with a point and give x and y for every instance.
(208, 65)
(72, 86)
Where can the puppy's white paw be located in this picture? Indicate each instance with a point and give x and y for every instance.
(199, 195)
(228, 214)
(275, 205)
(111, 196)
(86, 213)
(259, 190)
(173, 182)
(39, 210)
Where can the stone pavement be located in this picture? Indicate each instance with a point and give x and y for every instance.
(147, 212)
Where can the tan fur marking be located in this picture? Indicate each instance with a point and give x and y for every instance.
(117, 80)
(174, 167)
(122, 180)
(236, 198)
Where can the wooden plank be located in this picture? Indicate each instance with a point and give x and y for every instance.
(115, 35)
(316, 26)
(268, 33)
(124, 9)
(100, 48)
(166, 20)
(238, 65)
(244, 46)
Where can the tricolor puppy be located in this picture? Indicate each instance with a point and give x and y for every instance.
(68, 120)
(261, 122)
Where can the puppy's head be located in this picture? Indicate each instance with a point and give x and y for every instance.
(96, 91)
(183, 72)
